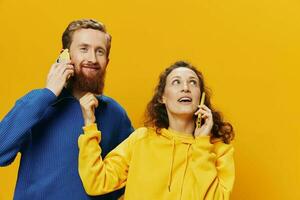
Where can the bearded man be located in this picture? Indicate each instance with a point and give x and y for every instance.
(45, 124)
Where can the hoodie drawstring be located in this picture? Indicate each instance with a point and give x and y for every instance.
(171, 167)
(185, 168)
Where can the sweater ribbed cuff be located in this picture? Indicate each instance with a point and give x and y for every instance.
(90, 127)
(49, 94)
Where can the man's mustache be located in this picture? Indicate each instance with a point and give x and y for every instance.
(90, 65)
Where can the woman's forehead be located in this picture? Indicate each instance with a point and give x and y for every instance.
(183, 72)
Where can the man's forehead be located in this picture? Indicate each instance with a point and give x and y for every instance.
(89, 37)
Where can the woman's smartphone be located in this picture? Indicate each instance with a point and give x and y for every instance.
(199, 115)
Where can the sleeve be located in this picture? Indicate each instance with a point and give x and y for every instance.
(125, 128)
(15, 126)
(214, 168)
(103, 176)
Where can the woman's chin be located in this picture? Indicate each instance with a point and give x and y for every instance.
(185, 113)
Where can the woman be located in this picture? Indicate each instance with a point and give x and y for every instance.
(169, 158)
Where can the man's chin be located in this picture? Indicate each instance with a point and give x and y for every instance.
(95, 88)
(90, 75)
(96, 91)
(86, 85)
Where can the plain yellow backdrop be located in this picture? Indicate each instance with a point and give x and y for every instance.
(248, 51)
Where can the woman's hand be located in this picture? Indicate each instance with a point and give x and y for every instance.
(88, 104)
(206, 127)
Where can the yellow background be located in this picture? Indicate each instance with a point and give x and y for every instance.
(248, 51)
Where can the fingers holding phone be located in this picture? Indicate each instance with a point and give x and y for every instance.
(64, 58)
(59, 73)
(204, 120)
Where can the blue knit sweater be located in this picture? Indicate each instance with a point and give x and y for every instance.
(45, 129)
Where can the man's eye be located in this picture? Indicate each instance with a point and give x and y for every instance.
(100, 52)
(83, 49)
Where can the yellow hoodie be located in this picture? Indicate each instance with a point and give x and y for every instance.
(165, 166)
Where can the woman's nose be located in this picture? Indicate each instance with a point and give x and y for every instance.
(185, 87)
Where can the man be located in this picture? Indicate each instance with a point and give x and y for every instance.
(44, 125)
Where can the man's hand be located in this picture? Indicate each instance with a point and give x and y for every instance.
(58, 75)
(88, 104)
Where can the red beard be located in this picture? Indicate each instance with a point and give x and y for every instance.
(88, 82)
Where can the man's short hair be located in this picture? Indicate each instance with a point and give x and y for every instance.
(84, 24)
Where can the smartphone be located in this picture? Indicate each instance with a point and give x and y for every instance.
(199, 115)
(64, 56)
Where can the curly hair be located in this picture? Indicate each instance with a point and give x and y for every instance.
(156, 114)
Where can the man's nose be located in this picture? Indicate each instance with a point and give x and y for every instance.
(91, 57)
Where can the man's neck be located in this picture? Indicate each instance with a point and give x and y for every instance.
(78, 93)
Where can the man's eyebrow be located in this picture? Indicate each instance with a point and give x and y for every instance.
(101, 48)
(87, 45)
(83, 45)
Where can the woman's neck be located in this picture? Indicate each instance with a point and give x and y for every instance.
(182, 124)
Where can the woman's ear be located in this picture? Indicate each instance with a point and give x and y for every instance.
(162, 100)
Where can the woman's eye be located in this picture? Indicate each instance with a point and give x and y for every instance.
(175, 82)
(193, 82)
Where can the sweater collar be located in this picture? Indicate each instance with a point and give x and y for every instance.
(66, 95)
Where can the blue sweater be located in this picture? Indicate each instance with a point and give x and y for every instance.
(45, 129)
